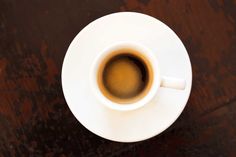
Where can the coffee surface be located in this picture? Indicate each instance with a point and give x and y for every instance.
(125, 77)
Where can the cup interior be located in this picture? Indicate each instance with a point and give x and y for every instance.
(125, 76)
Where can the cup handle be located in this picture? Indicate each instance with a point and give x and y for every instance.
(175, 83)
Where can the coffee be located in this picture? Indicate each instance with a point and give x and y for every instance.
(125, 76)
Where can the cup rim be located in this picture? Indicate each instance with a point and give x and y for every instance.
(128, 106)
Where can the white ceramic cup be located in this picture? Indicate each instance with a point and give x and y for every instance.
(158, 81)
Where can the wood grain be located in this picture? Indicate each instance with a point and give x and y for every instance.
(34, 118)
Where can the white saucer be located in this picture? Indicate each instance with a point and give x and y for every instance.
(142, 123)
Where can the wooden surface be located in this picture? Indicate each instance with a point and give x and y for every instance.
(34, 118)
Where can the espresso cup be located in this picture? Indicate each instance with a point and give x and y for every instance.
(126, 76)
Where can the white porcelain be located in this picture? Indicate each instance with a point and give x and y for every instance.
(159, 110)
(158, 80)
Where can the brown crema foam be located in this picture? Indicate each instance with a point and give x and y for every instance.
(125, 76)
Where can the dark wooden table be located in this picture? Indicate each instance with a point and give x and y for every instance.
(34, 118)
